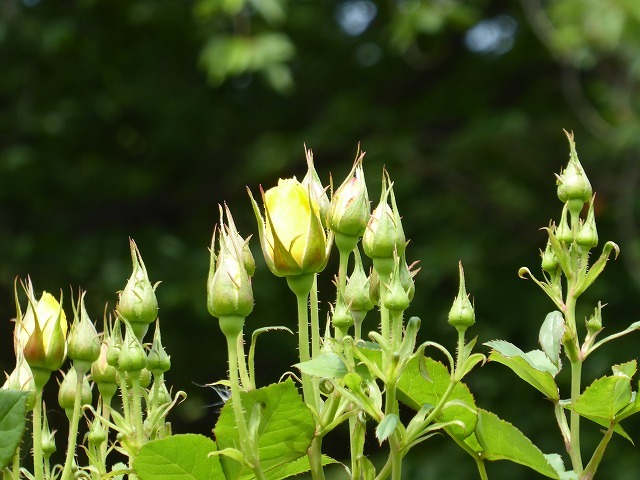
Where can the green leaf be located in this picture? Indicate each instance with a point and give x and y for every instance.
(387, 426)
(628, 369)
(325, 365)
(12, 423)
(415, 391)
(604, 398)
(556, 462)
(285, 430)
(502, 441)
(178, 457)
(291, 469)
(550, 336)
(523, 366)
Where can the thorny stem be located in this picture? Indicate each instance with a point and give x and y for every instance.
(247, 444)
(73, 428)
(136, 407)
(247, 384)
(576, 383)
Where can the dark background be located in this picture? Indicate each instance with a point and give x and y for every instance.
(137, 118)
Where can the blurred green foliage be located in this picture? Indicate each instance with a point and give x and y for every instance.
(136, 118)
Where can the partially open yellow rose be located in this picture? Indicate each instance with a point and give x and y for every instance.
(41, 333)
(291, 234)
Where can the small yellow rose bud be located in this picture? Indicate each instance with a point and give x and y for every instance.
(21, 378)
(292, 238)
(42, 332)
(137, 302)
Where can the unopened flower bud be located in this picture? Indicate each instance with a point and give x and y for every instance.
(384, 235)
(406, 273)
(84, 343)
(21, 378)
(350, 210)
(563, 231)
(159, 396)
(462, 315)
(48, 439)
(67, 391)
(396, 298)
(357, 290)
(587, 236)
(594, 322)
(137, 302)
(97, 434)
(313, 184)
(104, 375)
(374, 287)
(229, 289)
(132, 356)
(158, 361)
(341, 318)
(549, 259)
(574, 187)
(114, 344)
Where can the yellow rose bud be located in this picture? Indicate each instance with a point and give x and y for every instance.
(41, 332)
(291, 234)
(21, 378)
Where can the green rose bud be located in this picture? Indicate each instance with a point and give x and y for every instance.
(384, 235)
(574, 187)
(67, 391)
(313, 184)
(587, 236)
(357, 291)
(341, 318)
(350, 210)
(84, 343)
(396, 297)
(563, 231)
(104, 375)
(462, 315)
(48, 437)
(292, 238)
(158, 362)
(229, 289)
(594, 322)
(137, 302)
(549, 258)
(132, 357)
